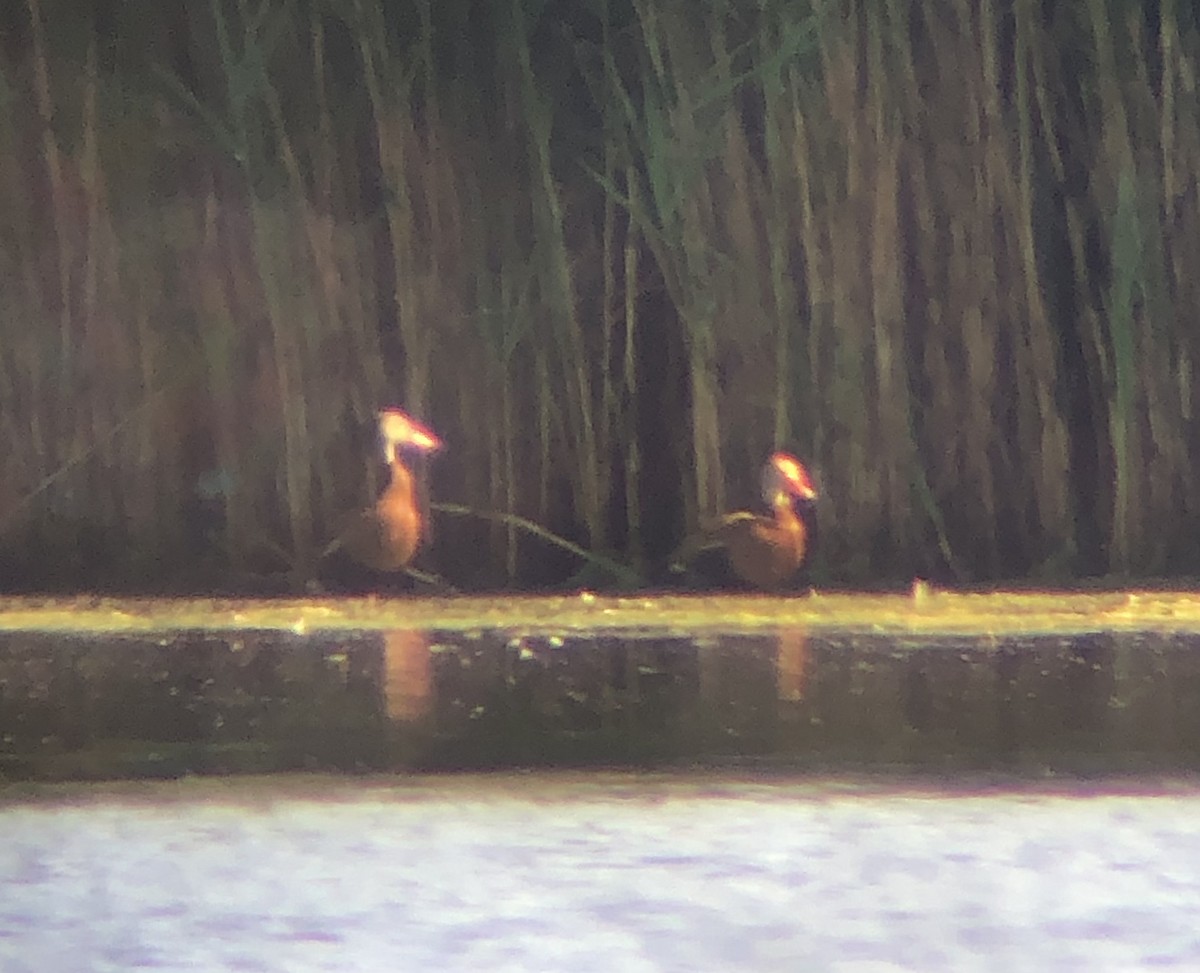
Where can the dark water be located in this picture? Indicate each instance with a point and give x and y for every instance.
(605, 872)
(990, 822)
(217, 703)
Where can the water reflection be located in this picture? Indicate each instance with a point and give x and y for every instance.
(258, 701)
(407, 675)
(791, 664)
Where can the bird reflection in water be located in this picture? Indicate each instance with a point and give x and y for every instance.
(791, 664)
(407, 675)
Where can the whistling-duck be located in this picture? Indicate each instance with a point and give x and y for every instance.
(384, 537)
(765, 551)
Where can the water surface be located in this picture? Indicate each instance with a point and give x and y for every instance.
(603, 872)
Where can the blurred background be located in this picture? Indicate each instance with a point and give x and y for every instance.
(614, 253)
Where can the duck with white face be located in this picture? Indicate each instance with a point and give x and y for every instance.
(386, 535)
(765, 550)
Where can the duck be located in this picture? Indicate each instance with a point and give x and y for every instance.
(764, 550)
(385, 536)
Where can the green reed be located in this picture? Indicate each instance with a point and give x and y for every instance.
(943, 250)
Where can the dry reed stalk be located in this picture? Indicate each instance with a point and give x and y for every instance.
(52, 158)
(612, 429)
(780, 202)
(244, 42)
(673, 148)
(630, 413)
(320, 318)
(1158, 123)
(841, 216)
(977, 322)
(1124, 231)
(588, 431)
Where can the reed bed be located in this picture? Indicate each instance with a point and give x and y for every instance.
(942, 249)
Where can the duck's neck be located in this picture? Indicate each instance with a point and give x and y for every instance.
(400, 487)
(786, 517)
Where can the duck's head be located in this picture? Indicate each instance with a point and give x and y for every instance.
(785, 480)
(398, 431)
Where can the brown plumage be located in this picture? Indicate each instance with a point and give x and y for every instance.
(765, 551)
(386, 535)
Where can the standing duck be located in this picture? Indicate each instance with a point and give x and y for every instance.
(385, 536)
(765, 550)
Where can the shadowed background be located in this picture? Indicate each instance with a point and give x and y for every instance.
(615, 254)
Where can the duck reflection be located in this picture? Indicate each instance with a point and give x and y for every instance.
(407, 675)
(791, 664)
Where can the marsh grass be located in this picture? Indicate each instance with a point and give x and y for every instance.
(944, 250)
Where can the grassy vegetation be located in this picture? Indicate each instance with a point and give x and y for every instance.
(910, 618)
(943, 250)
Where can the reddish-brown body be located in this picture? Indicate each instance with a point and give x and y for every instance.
(386, 535)
(766, 550)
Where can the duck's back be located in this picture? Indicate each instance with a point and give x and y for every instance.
(385, 537)
(764, 552)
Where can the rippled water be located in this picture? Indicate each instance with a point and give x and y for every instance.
(603, 872)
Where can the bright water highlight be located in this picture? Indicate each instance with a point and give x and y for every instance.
(606, 872)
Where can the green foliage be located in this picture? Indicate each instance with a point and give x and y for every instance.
(840, 221)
